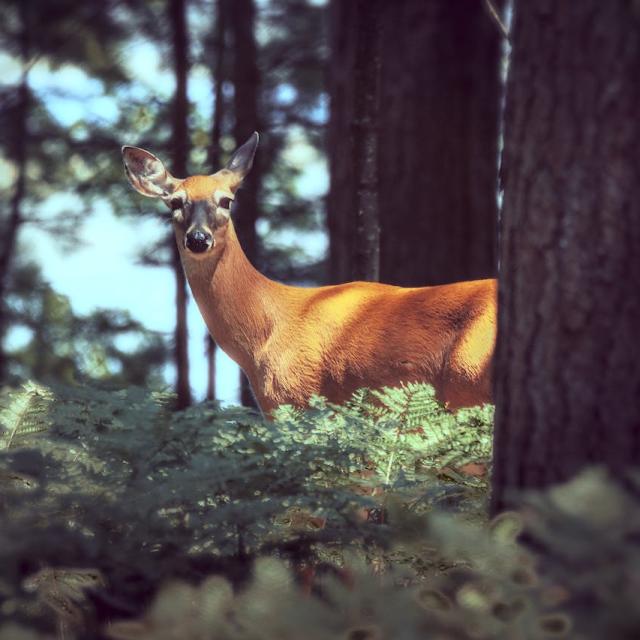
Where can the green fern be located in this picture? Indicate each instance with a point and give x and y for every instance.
(116, 485)
(404, 430)
(24, 414)
(115, 475)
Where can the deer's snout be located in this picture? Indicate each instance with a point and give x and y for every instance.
(198, 241)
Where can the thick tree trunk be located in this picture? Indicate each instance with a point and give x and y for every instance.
(180, 146)
(439, 142)
(246, 81)
(568, 360)
(365, 140)
(437, 161)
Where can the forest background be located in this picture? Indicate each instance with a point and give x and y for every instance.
(415, 142)
(92, 290)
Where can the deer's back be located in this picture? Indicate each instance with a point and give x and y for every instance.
(344, 337)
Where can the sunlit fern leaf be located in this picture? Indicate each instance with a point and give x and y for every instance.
(24, 413)
(411, 403)
(360, 402)
(63, 590)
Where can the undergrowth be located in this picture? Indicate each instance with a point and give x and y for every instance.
(120, 518)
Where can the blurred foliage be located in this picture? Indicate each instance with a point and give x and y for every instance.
(588, 531)
(119, 517)
(117, 482)
(485, 599)
(84, 37)
(106, 347)
(72, 163)
(65, 32)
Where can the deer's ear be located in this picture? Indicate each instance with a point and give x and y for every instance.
(147, 174)
(242, 158)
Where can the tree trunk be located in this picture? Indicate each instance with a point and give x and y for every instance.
(365, 140)
(15, 219)
(246, 80)
(341, 201)
(439, 142)
(180, 146)
(215, 163)
(438, 147)
(568, 359)
(19, 135)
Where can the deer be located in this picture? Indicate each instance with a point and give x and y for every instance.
(293, 342)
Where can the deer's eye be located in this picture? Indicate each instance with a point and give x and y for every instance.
(224, 203)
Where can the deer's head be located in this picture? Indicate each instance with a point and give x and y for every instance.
(200, 205)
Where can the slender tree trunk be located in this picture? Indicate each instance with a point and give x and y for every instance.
(10, 229)
(246, 80)
(180, 145)
(15, 219)
(19, 136)
(219, 77)
(210, 348)
(568, 359)
(365, 140)
(215, 163)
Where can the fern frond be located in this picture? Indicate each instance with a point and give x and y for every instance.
(23, 413)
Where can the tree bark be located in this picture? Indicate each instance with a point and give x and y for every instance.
(439, 142)
(341, 201)
(19, 136)
(365, 140)
(440, 96)
(246, 80)
(568, 358)
(180, 147)
(219, 77)
(215, 163)
(15, 219)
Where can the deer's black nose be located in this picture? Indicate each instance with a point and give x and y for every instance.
(198, 241)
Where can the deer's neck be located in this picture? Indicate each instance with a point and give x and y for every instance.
(241, 307)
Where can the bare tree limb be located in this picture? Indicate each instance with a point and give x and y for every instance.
(495, 16)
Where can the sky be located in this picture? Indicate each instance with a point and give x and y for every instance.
(103, 272)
